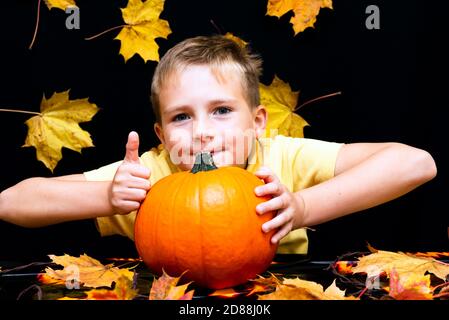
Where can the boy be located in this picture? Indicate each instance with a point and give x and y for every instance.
(205, 97)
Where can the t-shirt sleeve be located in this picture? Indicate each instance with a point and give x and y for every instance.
(313, 161)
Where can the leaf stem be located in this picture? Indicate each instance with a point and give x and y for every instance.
(319, 98)
(37, 24)
(106, 31)
(20, 111)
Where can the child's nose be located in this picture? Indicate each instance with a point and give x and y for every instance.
(202, 131)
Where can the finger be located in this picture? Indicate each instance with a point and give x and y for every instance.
(271, 205)
(127, 206)
(139, 171)
(138, 183)
(266, 174)
(135, 194)
(284, 217)
(132, 148)
(281, 233)
(271, 188)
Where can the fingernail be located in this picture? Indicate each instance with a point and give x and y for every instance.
(264, 228)
(257, 190)
(259, 209)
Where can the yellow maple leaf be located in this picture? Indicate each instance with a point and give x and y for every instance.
(165, 288)
(61, 4)
(280, 102)
(122, 291)
(57, 126)
(298, 289)
(87, 271)
(305, 11)
(410, 286)
(402, 263)
(143, 27)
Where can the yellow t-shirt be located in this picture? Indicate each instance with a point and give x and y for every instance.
(298, 162)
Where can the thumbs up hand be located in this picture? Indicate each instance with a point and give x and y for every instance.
(131, 181)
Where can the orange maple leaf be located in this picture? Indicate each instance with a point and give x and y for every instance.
(122, 291)
(298, 289)
(165, 288)
(87, 271)
(409, 286)
(402, 263)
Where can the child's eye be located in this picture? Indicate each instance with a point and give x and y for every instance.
(222, 110)
(180, 117)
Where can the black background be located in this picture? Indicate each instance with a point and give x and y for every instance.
(395, 84)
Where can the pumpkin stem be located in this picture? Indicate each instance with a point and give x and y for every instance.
(203, 162)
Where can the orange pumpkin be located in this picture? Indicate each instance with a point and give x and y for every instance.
(205, 222)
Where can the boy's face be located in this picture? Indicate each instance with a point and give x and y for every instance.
(203, 112)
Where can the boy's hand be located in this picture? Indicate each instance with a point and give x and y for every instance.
(131, 181)
(284, 202)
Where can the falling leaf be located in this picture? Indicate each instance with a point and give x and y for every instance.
(143, 27)
(61, 4)
(165, 288)
(305, 11)
(409, 286)
(280, 102)
(87, 271)
(122, 291)
(236, 39)
(298, 289)
(402, 263)
(57, 126)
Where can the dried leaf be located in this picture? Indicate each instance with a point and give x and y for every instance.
(143, 27)
(298, 289)
(410, 286)
(280, 102)
(57, 126)
(305, 11)
(87, 271)
(402, 263)
(236, 39)
(262, 284)
(61, 4)
(165, 288)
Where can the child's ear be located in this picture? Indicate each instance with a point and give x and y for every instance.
(159, 132)
(260, 120)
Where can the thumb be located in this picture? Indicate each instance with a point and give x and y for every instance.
(132, 148)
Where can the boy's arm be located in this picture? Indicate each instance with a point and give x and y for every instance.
(366, 175)
(37, 202)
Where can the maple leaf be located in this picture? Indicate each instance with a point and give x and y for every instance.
(409, 286)
(402, 263)
(280, 102)
(60, 4)
(122, 291)
(298, 289)
(305, 11)
(86, 270)
(165, 288)
(143, 27)
(56, 126)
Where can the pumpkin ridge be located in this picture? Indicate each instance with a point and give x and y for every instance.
(175, 216)
(199, 189)
(242, 192)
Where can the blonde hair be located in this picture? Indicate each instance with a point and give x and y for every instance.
(217, 52)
